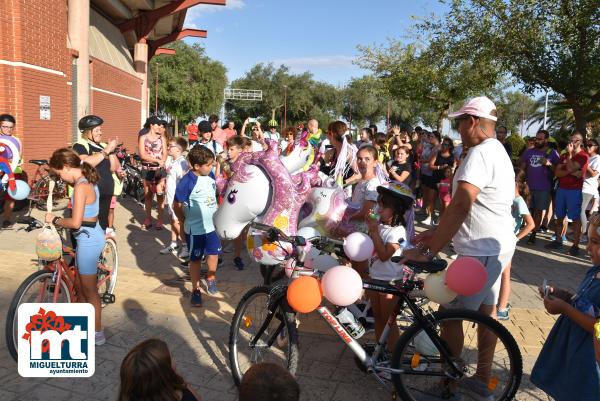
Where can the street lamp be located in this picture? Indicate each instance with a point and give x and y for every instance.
(284, 106)
(156, 92)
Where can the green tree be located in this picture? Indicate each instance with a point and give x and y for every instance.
(432, 76)
(189, 83)
(514, 108)
(544, 44)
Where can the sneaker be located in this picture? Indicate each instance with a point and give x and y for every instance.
(100, 338)
(239, 264)
(553, 238)
(172, 248)
(427, 221)
(110, 232)
(476, 388)
(454, 256)
(584, 239)
(147, 224)
(543, 229)
(502, 314)
(554, 245)
(184, 253)
(159, 224)
(196, 298)
(531, 239)
(574, 251)
(211, 287)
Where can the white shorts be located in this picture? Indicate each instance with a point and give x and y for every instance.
(494, 265)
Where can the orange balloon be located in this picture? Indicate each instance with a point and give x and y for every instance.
(304, 294)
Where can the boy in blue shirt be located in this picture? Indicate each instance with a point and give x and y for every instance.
(195, 203)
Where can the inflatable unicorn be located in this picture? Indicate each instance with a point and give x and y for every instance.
(262, 188)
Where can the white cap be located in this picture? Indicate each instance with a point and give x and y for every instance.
(479, 107)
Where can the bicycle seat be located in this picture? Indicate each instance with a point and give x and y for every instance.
(432, 266)
(38, 162)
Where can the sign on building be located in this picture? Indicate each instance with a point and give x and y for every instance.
(44, 107)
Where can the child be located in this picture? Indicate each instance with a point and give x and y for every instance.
(148, 373)
(445, 189)
(364, 196)
(388, 233)
(268, 382)
(84, 223)
(175, 171)
(566, 368)
(195, 203)
(400, 169)
(235, 147)
(521, 214)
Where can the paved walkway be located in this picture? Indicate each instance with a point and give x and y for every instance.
(153, 301)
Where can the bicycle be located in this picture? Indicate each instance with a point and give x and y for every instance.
(133, 185)
(40, 188)
(57, 282)
(422, 361)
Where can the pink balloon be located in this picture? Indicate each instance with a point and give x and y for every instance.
(358, 247)
(466, 276)
(341, 285)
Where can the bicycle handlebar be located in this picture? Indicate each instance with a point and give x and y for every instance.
(30, 222)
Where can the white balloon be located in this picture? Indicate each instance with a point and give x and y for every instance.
(436, 290)
(358, 247)
(341, 285)
(308, 232)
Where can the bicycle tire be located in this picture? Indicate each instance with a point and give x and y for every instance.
(241, 317)
(410, 350)
(60, 199)
(110, 285)
(11, 331)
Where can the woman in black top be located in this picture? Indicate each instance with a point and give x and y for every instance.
(335, 133)
(444, 158)
(99, 155)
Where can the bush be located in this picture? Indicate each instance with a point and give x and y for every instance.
(518, 145)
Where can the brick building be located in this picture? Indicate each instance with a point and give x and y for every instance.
(63, 59)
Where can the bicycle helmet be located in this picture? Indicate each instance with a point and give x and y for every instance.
(272, 123)
(89, 122)
(399, 190)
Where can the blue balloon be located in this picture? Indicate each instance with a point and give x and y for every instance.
(21, 191)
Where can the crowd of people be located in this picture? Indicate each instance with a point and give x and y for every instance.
(474, 196)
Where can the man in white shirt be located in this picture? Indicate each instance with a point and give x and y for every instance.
(478, 219)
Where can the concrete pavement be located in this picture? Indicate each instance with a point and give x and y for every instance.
(153, 301)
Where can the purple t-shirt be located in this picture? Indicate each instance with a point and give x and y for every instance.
(539, 178)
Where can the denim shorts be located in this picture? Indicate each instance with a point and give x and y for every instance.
(90, 243)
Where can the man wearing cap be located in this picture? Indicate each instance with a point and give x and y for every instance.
(205, 130)
(478, 219)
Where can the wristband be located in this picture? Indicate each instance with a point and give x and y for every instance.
(55, 219)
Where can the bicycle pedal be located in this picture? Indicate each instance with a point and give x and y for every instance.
(108, 298)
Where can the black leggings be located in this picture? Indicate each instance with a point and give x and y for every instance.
(104, 209)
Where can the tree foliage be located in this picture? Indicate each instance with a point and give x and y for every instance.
(190, 84)
(305, 97)
(432, 75)
(544, 44)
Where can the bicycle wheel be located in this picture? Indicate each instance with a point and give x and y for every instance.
(108, 269)
(38, 287)
(40, 192)
(425, 373)
(279, 342)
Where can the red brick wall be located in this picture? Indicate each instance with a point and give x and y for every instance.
(35, 32)
(121, 115)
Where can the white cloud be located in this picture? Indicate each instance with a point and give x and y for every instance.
(305, 63)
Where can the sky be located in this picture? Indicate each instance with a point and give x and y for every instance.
(309, 35)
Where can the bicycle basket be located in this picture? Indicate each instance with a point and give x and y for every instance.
(48, 245)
